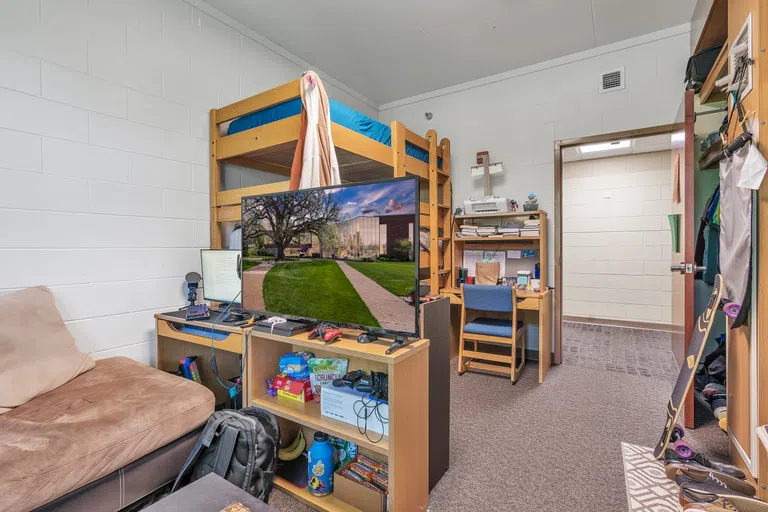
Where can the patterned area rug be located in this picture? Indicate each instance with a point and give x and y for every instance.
(648, 488)
(641, 352)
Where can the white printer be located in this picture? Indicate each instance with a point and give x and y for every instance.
(487, 204)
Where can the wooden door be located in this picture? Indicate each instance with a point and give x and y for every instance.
(682, 255)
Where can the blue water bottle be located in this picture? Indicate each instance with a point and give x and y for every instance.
(320, 466)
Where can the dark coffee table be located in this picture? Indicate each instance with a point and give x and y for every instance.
(209, 494)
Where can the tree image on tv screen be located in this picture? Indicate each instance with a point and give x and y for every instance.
(289, 219)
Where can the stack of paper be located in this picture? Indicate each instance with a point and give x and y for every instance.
(467, 230)
(509, 231)
(531, 227)
(487, 231)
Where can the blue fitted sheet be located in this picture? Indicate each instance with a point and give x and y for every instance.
(340, 114)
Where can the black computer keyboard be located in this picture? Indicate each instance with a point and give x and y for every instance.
(198, 312)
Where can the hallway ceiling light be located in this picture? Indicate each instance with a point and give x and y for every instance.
(604, 146)
(678, 137)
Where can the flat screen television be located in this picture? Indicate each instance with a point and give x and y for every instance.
(346, 254)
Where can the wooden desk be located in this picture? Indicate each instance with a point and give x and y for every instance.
(406, 448)
(173, 345)
(526, 301)
(541, 302)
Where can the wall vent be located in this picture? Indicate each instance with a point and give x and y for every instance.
(740, 52)
(612, 80)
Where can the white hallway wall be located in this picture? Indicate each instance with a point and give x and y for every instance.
(616, 241)
(103, 153)
(518, 115)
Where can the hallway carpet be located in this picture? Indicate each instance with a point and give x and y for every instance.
(554, 446)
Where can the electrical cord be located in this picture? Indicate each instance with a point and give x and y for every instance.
(214, 367)
(364, 410)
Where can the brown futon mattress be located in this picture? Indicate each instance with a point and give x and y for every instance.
(91, 426)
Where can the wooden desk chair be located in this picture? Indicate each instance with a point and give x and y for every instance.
(480, 300)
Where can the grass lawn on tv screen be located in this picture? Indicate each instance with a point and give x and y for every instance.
(398, 277)
(315, 289)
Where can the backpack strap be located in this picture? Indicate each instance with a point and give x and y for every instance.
(226, 449)
(204, 441)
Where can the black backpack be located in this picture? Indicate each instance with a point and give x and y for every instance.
(240, 446)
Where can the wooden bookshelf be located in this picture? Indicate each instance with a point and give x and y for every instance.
(405, 448)
(500, 214)
(490, 240)
(330, 503)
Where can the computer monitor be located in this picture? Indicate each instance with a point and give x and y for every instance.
(221, 275)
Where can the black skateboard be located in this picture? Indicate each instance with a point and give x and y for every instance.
(687, 372)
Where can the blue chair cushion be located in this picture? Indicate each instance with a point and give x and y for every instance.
(490, 327)
(488, 297)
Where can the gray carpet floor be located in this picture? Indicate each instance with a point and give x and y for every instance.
(557, 446)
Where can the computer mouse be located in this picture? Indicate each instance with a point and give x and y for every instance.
(233, 317)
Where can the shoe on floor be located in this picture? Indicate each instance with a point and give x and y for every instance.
(670, 456)
(714, 495)
(672, 466)
(708, 477)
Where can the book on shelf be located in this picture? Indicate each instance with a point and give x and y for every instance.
(470, 227)
(532, 222)
(509, 230)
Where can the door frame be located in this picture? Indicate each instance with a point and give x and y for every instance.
(558, 219)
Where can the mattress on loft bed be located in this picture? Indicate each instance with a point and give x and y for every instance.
(340, 114)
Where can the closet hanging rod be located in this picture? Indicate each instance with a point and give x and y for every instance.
(707, 112)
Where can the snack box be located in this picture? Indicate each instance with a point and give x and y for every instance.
(363, 496)
(299, 390)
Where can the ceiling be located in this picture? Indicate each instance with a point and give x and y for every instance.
(648, 144)
(393, 49)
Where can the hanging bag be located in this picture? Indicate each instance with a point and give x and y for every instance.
(699, 66)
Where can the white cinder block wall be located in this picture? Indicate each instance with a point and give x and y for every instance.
(103, 153)
(616, 241)
(518, 115)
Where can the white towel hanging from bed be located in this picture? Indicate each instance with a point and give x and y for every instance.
(318, 165)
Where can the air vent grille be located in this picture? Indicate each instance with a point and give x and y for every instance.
(740, 54)
(612, 80)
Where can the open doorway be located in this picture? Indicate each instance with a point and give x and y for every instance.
(626, 215)
(617, 243)
(610, 181)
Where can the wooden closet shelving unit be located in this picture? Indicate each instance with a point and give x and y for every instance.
(270, 147)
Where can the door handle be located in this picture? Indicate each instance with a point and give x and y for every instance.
(687, 268)
(678, 268)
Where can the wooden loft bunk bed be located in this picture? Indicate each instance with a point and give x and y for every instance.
(266, 129)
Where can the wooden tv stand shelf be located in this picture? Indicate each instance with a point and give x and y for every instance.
(407, 445)
(173, 343)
